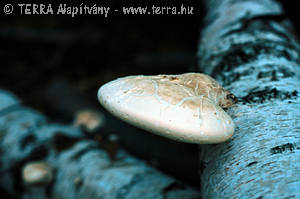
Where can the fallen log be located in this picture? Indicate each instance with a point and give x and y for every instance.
(44, 160)
(177, 159)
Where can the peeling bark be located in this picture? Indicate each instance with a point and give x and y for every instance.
(250, 48)
(81, 169)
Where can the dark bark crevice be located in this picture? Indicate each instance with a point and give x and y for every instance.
(245, 53)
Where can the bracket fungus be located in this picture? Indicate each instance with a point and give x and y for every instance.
(186, 107)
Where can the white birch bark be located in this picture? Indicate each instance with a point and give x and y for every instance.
(249, 47)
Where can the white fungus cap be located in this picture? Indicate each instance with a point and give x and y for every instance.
(37, 173)
(181, 107)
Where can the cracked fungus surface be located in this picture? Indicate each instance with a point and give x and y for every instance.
(184, 107)
(187, 90)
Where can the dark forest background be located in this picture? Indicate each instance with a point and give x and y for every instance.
(87, 51)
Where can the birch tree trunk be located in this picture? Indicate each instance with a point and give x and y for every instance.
(250, 48)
